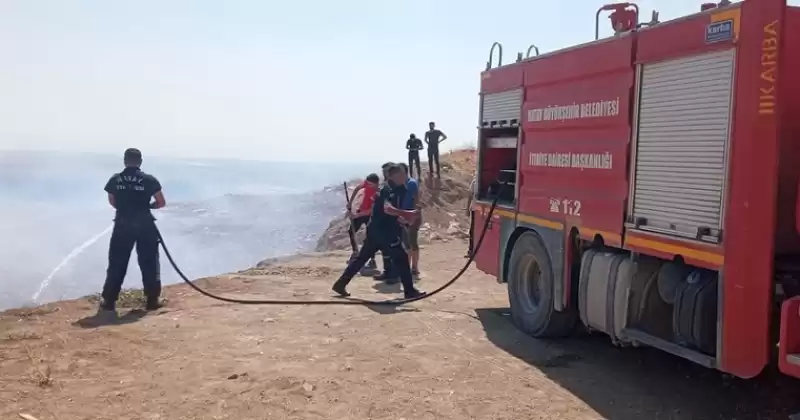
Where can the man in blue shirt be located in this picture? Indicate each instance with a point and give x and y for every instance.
(411, 230)
(383, 233)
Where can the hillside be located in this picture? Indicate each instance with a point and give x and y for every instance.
(455, 355)
(443, 204)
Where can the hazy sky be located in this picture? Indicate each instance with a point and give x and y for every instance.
(343, 80)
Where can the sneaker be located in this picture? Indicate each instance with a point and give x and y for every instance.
(385, 277)
(368, 272)
(415, 275)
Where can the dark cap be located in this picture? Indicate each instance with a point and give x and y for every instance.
(133, 154)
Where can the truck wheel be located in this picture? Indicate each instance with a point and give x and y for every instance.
(530, 291)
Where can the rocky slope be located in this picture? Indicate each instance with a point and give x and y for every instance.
(443, 203)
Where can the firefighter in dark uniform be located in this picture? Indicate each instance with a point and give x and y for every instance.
(130, 192)
(383, 233)
(389, 274)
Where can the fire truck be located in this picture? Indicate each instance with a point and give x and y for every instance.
(647, 185)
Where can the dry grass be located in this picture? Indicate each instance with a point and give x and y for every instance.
(128, 298)
(40, 372)
(21, 335)
(31, 312)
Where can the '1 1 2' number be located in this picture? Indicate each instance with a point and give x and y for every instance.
(565, 206)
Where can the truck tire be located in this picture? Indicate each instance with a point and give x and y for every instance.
(530, 291)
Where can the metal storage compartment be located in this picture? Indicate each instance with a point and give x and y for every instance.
(681, 143)
(502, 109)
(602, 293)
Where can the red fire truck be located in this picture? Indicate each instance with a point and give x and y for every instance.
(652, 185)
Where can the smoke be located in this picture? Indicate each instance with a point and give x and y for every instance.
(220, 217)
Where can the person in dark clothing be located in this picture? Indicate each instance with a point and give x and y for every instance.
(362, 215)
(432, 138)
(384, 234)
(473, 193)
(389, 275)
(130, 192)
(414, 145)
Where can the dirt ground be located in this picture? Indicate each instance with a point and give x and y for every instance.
(453, 356)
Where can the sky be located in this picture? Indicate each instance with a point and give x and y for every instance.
(314, 80)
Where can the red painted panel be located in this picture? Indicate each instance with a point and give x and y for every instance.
(752, 193)
(582, 61)
(501, 79)
(787, 238)
(488, 257)
(573, 164)
(683, 36)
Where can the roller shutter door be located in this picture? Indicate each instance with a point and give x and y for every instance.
(682, 142)
(501, 109)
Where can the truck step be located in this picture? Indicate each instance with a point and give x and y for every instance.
(789, 347)
(642, 337)
(793, 359)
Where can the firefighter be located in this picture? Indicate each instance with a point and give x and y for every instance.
(414, 145)
(433, 137)
(383, 233)
(389, 275)
(130, 193)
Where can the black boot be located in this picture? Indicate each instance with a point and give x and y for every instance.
(340, 287)
(108, 306)
(410, 294)
(153, 305)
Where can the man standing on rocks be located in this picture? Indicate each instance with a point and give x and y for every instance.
(433, 137)
(414, 145)
(130, 192)
(383, 233)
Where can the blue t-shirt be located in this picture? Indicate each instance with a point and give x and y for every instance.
(382, 226)
(412, 187)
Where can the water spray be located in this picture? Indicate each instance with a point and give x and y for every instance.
(72, 255)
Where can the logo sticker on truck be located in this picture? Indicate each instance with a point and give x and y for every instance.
(719, 31)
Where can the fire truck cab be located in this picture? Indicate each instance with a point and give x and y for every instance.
(647, 185)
